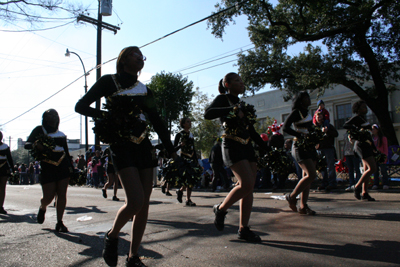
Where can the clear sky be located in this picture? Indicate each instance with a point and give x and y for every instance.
(33, 65)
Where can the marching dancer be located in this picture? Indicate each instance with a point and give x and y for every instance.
(364, 148)
(305, 157)
(237, 118)
(185, 142)
(125, 128)
(112, 177)
(6, 164)
(49, 146)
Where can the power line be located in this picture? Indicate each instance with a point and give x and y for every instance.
(192, 24)
(43, 100)
(41, 29)
(98, 66)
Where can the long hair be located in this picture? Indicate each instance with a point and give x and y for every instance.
(298, 98)
(1, 137)
(227, 79)
(380, 134)
(122, 55)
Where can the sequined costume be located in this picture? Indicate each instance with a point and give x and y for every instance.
(301, 120)
(138, 151)
(59, 165)
(6, 161)
(237, 146)
(192, 170)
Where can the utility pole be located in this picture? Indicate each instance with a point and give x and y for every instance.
(100, 25)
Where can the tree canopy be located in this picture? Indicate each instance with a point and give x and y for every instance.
(204, 131)
(173, 94)
(345, 42)
(36, 12)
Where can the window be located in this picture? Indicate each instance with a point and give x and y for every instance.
(343, 113)
(261, 103)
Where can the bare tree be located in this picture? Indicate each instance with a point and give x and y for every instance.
(37, 12)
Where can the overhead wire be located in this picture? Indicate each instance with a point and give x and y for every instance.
(59, 26)
(106, 62)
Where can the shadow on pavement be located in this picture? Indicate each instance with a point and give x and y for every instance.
(391, 217)
(26, 218)
(376, 251)
(87, 209)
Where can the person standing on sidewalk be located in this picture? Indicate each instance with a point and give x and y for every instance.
(6, 169)
(305, 157)
(132, 152)
(238, 119)
(56, 165)
(381, 144)
(327, 148)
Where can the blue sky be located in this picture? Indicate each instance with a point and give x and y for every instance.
(33, 65)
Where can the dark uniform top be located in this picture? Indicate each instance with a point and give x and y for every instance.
(6, 161)
(234, 151)
(187, 150)
(363, 148)
(59, 165)
(128, 154)
(302, 121)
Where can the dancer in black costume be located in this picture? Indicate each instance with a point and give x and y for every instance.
(134, 160)
(237, 151)
(6, 164)
(112, 177)
(56, 169)
(363, 148)
(188, 152)
(306, 158)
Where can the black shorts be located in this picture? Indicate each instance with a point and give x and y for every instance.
(52, 173)
(128, 154)
(363, 149)
(300, 154)
(233, 151)
(110, 168)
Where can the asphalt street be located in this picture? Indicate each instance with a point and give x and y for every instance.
(345, 231)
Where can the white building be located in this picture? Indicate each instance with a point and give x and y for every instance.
(338, 101)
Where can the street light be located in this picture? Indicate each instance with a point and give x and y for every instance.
(67, 54)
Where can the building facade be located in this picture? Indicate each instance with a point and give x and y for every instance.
(338, 101)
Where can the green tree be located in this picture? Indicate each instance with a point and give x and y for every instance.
(173, 94)
(354, 42)
(261, 126)
(21, 155)
(205, 131)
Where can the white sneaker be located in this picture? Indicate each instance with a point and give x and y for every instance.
(349, 189)
(374, 187)
(385, 187)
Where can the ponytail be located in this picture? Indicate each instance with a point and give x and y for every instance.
(221, 88)
(227, 79)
